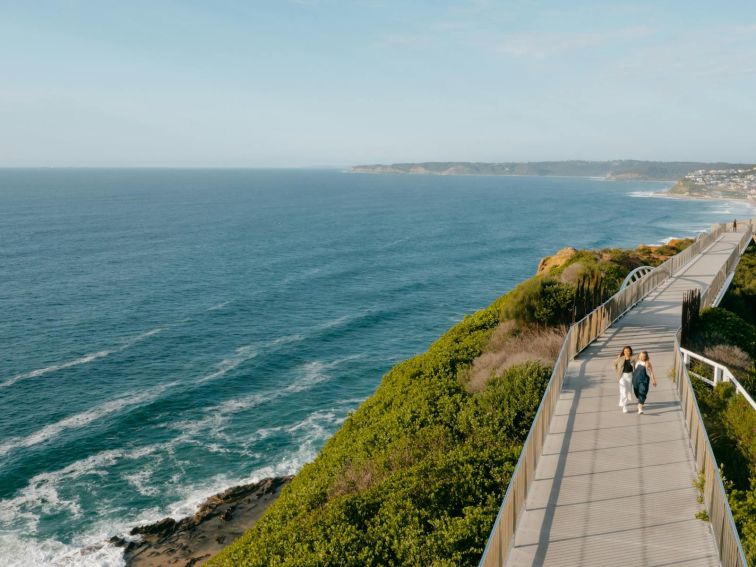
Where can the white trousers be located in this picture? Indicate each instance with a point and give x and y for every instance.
(625, 389)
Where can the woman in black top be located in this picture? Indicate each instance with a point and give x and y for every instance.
(624, 365)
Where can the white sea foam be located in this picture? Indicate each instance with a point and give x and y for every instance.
(301, 276)
(315, 372)
(309, 434)
(338, 322)
(81, 419)
(19, 551)
(210, 426)
(140, 479)
(241, 355)
(40, 497)
(55, 367)
(668, 240)
(218, 306)
(395, 243)
(645, 194)
(244, 353)
(87, 358)
(141, 337)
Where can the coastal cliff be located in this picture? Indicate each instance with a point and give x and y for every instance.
(415, 475)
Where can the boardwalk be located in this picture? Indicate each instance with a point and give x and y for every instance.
(616, 489)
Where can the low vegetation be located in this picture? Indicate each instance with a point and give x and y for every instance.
(416, 475)
(727, 334)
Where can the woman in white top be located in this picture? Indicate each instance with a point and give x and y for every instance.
(624, 365)
(641, 373)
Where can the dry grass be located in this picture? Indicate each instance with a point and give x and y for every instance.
(509, 346)
(354, 479)
(731, 356)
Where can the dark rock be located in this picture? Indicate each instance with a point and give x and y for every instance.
(194, 539)
(117, 541)
(164, 527)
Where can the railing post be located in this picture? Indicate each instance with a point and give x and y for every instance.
(717, 375)
(686, 359)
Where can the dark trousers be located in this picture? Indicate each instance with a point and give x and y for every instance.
(640, 389)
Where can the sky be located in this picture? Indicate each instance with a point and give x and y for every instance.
(300, 83)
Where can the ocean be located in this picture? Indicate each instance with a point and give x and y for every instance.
(166, 334)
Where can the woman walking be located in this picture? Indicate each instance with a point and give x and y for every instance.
(624, 365)
(641, 373)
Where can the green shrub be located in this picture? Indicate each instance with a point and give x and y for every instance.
(730, 420)
(415, 476)
(741, 296)
(717, 326)
(743, 505)
(541, 300)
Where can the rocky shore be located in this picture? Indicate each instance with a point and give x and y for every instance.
(193, 540)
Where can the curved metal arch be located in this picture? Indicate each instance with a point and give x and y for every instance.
(635, 275)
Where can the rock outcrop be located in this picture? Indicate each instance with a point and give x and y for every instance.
(193, 540)
(556, 260)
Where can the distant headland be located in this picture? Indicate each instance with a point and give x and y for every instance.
(617, 169)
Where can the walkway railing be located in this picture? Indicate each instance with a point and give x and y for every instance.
(719, 374)
(715, 498)
(714, 293)
(578, 337)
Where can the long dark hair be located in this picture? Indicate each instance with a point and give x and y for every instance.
(622, 352)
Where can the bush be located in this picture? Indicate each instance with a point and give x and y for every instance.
(416, 475)
(717, 326)
(741, 297)
(541, 300)
(511, 345)
(729, 337)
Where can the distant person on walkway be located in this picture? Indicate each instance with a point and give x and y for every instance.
(624, 365)
(641, 373)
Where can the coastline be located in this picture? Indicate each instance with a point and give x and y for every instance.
(668, 195)
(192, 540)
(659, 194)
(436, 174)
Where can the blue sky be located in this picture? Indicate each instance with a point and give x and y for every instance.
(318, 82)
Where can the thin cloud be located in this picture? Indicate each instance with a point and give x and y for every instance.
(543, 45)
(407, 40)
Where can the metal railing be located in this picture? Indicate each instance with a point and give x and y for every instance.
(719, 374)
(715, 498)
(578, 337)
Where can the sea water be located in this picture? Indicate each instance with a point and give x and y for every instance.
(166, 334)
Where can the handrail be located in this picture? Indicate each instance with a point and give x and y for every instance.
(635, 275)
(578, 337)
(721, 374)
(715, 498)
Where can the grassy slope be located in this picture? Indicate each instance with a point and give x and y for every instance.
(416, 475)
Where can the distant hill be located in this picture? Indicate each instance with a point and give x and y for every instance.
(618, 169)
